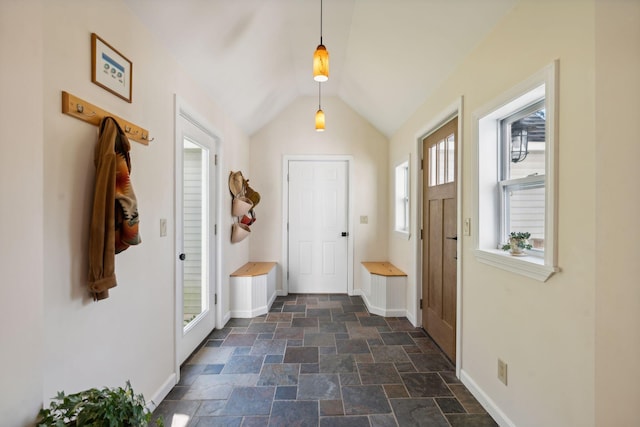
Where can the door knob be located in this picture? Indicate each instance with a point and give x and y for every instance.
(453, 238)
(345, 234)
(182, 257)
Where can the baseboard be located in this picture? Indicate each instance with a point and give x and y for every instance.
(381, 311)
(485, 401)
(225, 319)
(281, 293)
(412, 319)
(162, 392)
(357, 292)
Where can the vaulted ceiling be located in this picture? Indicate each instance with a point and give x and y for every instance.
(254, 57)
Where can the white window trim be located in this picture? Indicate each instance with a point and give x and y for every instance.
(542, 84)
(403, 234)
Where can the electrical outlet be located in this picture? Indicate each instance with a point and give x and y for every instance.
(364, 219)
(163, 227)
(502, 371)
(467, 227)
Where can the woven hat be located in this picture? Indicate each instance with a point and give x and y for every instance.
(236, 184)
(252, 194)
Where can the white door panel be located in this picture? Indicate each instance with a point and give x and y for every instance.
(318, 196)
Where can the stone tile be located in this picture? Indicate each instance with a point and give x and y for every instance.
(297, 413)
(332, 327)
(213, 369)
(430, 362)
(344, 317)
(471, 420)
(355, 299)
(238, 340)
(286, 392)
(426, 345)
(365, 399)
(210, 408)
(214, 343)
(401, 325)
(374, 342)
(323, 313)
(389, 353)
(250, 401)
(383, 421)
(318, 387)
(418, 412)
(219, 334)
(233, 323)
(265, 336)
(279, 374)
(449, 377)
(168, 408)
(273, 358)
(467, 399)
(350, 379)
(305, 322)
(352, 308)
(411, 349)
(396, 338)
(449, 405)
(239, 330)
(264, 347)
(364, 358)
(294, 343)
(378, 373)
(355, 421)
(425, 385)
(241, 351)
(243, 365)
(279, 317)
(351, 346)
(337, 363)
(301, 355)
(211, 355)
(189, 373)
(339, 297)
(395, 391)
(319, 340)
(294, 308)
(405, 367)
(365, 332)
(255, 421)
(218, 386)
(177, 393)
(373, 321)
(342, 336)
(216, 422)
(331, 407)
(309, 368)
(328, 350)
(289, 333)
(261, 327)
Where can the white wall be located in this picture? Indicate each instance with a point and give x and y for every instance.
(347, 133)
(544, 331)
(21, 213)
(47, 188)
(618, 203)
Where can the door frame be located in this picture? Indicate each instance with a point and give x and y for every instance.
(182, 109)
(285, 210)
(453, 110)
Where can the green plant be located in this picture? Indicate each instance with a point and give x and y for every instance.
(106, 407)
(521, 240)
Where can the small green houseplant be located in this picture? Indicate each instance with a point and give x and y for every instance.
(518, 242)
(106, 407)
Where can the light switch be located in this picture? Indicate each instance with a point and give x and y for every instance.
(467, 227)
(163, 227)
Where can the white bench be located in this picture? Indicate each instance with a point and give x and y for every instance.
(252, 289)
(384, 289)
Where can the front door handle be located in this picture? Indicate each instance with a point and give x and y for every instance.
(345, 234)
(453, 238)
(182, 257)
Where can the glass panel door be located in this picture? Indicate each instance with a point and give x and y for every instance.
(195, 230)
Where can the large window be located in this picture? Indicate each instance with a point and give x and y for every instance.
(516, 176)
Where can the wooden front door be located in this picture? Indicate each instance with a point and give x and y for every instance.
(439, 244)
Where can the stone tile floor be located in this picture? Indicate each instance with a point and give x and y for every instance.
(320, 360)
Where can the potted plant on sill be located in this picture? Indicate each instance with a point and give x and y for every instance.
(112, 407)
(518, 242)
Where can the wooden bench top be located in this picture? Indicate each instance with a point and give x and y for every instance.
(251, 269)
(383, 268)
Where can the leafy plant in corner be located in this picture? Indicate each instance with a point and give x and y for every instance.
(517, 242)
(106, 407)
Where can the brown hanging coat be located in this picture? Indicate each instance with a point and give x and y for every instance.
(114, 218)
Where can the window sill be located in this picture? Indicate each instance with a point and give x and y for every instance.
(529, 266)
(404, 235)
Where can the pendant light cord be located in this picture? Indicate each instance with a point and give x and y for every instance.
(320, 21)
(319, 97)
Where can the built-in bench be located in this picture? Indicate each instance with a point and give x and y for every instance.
(252, 289)
(384, 288)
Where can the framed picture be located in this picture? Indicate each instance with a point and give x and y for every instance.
(110, 69)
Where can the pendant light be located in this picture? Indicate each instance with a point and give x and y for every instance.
(321, 58)
(319, 113)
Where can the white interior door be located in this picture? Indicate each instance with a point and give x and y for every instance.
(318, 226)
(195, 240)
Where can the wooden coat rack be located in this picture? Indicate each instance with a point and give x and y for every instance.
(87, 112)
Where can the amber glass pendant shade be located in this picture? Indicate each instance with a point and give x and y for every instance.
(321, 64)
(320, 120)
